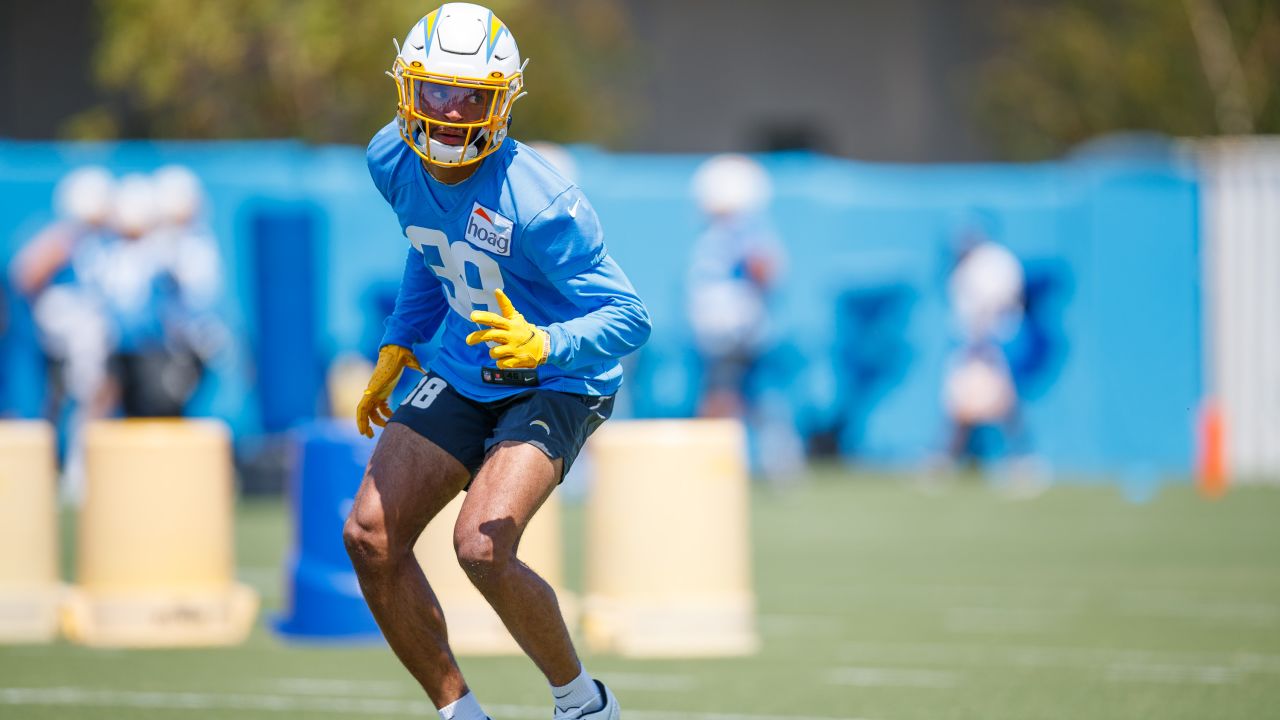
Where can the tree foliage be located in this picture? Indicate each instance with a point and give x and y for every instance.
(314, 69)
(1074, 69)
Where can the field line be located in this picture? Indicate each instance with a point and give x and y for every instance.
(85, 697)
(1040, 656)
(892, 677)
(1173, 674)
(331, 686)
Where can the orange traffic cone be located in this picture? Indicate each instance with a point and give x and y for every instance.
(1212, 464)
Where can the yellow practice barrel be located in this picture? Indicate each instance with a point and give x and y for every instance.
(155, 545)
(667, 543)
(348, 377)
(30, 593)
(474, 628)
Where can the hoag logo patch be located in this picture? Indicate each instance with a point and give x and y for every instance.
(489, 231)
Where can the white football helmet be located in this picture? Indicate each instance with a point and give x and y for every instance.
(731, 184)
(84, 195)
(457, 76)
(133, 206)
(179, 197)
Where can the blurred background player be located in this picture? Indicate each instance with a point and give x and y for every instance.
(158, 278)
(508, 401)
(50, 271)
(71, 324)
(734, 267)
(985, 290)
(194, 267)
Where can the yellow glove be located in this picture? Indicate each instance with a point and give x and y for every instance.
(520, 344)
(392, 360)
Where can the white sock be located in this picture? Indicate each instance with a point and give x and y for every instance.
(464, 708)
(580, 692)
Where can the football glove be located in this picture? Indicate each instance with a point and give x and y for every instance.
(520, 344)
(373, 407)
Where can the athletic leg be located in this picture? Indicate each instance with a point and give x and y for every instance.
(408, 481)
(512, 484)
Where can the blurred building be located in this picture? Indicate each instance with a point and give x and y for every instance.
(45, 56)
(874, 79)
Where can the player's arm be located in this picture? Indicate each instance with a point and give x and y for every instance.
(420, 305)
(420, 308)
(565, 242)
(41, 259)
(614, 323)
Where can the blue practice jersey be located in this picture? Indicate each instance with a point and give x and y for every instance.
(518, 226)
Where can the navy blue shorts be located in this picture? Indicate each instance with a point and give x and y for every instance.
(556, 423)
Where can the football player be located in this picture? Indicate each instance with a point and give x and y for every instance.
(508, 258)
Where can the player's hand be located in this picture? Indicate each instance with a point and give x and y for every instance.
(373, 407)
(520, 344)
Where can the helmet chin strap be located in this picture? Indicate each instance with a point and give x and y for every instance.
(430, 146)
(448, 154)
(465, 153)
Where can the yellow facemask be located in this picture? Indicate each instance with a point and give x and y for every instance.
(450, 120)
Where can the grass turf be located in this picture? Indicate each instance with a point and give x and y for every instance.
(877, 600)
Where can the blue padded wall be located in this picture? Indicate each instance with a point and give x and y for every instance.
(1109, 362)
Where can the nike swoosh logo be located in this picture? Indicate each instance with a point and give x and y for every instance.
(573, 211)
(541, 424)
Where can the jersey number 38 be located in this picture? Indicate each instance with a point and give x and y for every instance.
(471, 276)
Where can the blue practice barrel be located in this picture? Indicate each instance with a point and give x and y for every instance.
(324, 600)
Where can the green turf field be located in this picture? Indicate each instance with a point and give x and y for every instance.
(877, 600)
